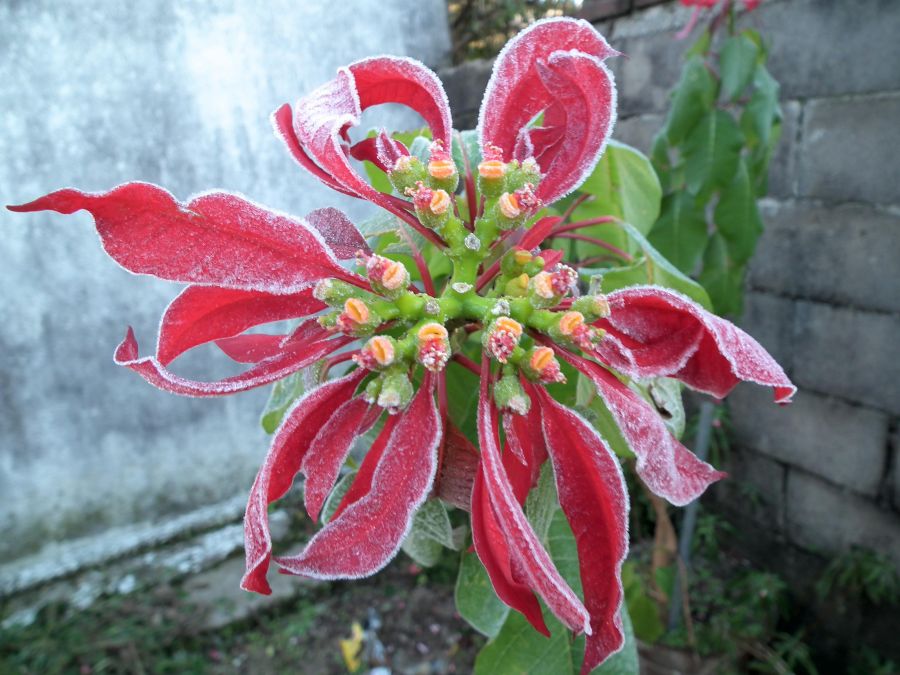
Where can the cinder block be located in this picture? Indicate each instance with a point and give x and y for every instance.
(830, 48)
(848, 353)
(783, 166)
(848, 149)
(638, 131)
(826, 519)
(596, 10)
(844, 255)
(465, 85)
(842, 443)
(647, 71)
(770, 319)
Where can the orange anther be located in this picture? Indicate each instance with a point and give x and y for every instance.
(432, 331)
(541, 358)
(509, 205)
(441, 168)
(440, 202)
(492, 168)
(570, 321)
(509, 325)
(381, 349)
(356, 310)
(394, 276)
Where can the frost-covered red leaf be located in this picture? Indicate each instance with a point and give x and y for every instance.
(593, 495)
(578, 108)
(535, 563)
(216, 238)
(301, 424)
(495, 554)
(668, 468)
(653, 331)
(367, 534)
(276, 367)
(338, 232)
(329, 450)
(201, 314)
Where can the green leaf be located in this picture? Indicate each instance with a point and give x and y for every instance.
(642, 610)
(722, 279)
(664, 394)
(693, 97)
(284, 393)
(625, 662)
(466, 141)
(431, 531)
(680, 233)
(737, 216)
(736, 64)
(336, 495)
(518, 649)
(541, 503)
(653, 268)
(476, 600)
(624, 185)
(462, 395)
(712, 151)
(762, 112)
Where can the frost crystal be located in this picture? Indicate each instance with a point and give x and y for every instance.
(472, 242)
(460, 287)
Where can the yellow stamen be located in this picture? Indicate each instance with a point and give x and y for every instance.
(440, 202)
(356, 310)
(522, 281)
(570, 321)
(432, 331)
(509, 205)
(441, 168)
(509, 325)
(522, 257)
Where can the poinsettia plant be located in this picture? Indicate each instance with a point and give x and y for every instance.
(446, 339)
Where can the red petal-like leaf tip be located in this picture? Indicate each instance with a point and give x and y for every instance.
(216, 238)
(553, 67)
(393, 79)
(289, 446)
(201, 314)
(593, 495)
(338, 232)
(654, 331)
(290, 359)
(535, 564)
(459, 465)
(665, 465)
(367, 533)
(495, 554)
(329, 449)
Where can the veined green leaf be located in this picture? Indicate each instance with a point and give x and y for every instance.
(712, 151)
(693, 97)
(737, 216)
(737, 61)
(476, 600)
(680, 233)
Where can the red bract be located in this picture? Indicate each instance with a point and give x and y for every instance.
(247, 266)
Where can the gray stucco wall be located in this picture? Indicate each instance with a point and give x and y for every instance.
(98, 93)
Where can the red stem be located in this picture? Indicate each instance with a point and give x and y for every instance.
(467, 363)
(581, 224)
(487, 276)
(427, 281)
(336, 359)
(578, 201)
(599, 242)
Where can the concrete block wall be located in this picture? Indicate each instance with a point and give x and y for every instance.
(823, 291)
